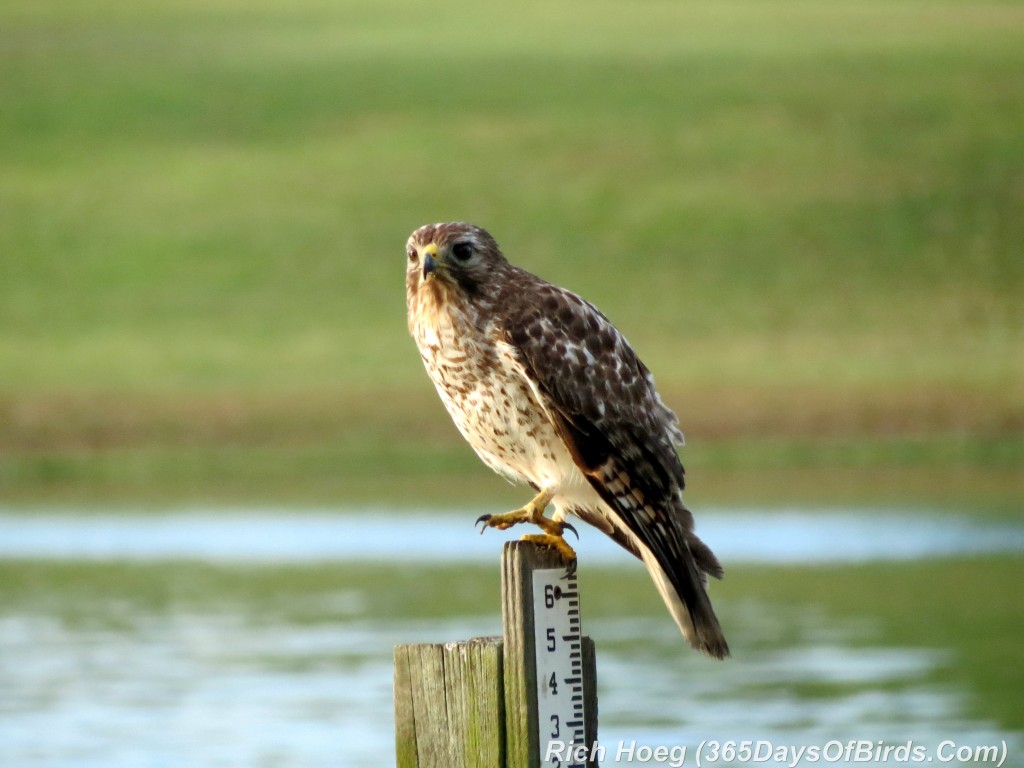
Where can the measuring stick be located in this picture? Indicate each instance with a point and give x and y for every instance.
(559, 662)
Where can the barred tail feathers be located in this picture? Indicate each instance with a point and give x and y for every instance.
(687, 601)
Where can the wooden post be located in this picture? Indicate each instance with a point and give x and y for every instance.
(449, 708)
(474, 702)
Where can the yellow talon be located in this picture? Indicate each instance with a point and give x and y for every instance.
(504, 520)
(533, 512)
(552, 540)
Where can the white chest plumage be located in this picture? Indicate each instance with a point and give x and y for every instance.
(492, 401)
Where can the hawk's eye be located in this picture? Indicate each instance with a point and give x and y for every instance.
(462, 252)
(411, 253)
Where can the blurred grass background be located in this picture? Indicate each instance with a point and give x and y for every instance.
(807, 217)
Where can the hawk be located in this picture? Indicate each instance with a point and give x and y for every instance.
(549, 393)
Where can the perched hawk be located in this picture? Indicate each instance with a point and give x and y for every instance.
(548, 392)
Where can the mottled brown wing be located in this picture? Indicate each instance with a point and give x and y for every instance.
(594, 381)
(621, 435)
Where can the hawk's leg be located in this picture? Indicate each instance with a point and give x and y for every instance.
(533, 512)
(553, 540)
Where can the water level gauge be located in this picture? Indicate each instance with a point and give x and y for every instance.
(559, 643)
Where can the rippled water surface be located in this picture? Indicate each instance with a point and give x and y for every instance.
(301, 676)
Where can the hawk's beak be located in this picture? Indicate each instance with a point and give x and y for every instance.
(430, 260)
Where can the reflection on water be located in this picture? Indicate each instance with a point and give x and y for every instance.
(301, 679)
(214, 690)
(193, 690)
(283, 536)
(227, 688)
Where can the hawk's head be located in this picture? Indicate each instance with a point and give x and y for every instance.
(443, 258)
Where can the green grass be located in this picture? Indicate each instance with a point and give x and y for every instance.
(974, 476)
(804, 215)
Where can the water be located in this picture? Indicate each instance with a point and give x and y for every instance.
(94, 671)
(206, 690)
(285, 536)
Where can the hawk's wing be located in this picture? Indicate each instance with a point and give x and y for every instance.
(594, 384)
(604, 404)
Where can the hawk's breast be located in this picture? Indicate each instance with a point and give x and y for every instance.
(492, 401)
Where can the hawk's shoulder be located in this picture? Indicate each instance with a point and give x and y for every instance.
(592, 380)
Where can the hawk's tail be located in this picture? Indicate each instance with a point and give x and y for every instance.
(683, 591)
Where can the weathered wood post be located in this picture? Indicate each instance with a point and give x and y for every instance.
(477, 702)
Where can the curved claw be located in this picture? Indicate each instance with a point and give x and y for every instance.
(569, 527)
(482, 522)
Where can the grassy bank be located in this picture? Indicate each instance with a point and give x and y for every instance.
(956, 473)
(400, 449)
(806, 218)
